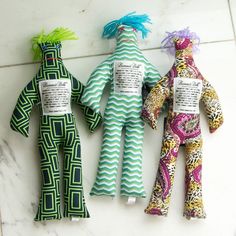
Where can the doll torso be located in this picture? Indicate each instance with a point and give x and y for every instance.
(55, 88)
(185, 88)
(128, 72)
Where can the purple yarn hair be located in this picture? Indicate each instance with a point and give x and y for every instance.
(168, 41)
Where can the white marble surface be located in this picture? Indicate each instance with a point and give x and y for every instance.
(22, 19)
(232, 4)
(19, 159)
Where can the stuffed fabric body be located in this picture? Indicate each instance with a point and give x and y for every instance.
(54, 88)
(127, 70)
(182, 88)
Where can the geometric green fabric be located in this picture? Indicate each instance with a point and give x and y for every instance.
(56, 130)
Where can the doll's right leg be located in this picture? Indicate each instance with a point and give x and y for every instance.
(105, 183)
(160, 198)
(49, 204)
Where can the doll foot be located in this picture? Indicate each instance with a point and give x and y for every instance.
(41, 217)
(194, 214)
(100, 191)
(155, 211)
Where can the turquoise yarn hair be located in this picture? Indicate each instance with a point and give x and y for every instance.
(132, 20)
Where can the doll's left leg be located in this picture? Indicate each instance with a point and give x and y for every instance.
(193, 184)
(131, 180)
(73, 189)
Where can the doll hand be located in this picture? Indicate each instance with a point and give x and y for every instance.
(95, 121)
(149, 118)
(22, 130)
(215, 124)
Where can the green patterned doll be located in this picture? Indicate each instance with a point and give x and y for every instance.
(127, 70)
(54, 89)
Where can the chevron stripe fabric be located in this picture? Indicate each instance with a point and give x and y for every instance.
(122, 112)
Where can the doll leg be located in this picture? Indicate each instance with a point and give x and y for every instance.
(105, 183)
(160, 198)
(131, 180)
(49, 204)
(193, 187)
(73, 189)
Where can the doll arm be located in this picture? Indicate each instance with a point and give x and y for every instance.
(21, 114)
(154, 102)
(212, 106)
(92, 118)
(93, 91)
(152, 76)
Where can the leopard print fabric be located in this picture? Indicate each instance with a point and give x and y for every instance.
(212, 106)
(181, 128)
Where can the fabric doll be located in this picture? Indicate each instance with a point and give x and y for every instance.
(53, 89)
(183, 87)
(127, 70)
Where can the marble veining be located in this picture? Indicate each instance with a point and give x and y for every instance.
(19, 159)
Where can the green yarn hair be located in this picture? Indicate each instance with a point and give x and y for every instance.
(57, 35)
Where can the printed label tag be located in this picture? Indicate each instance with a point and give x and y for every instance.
(128, 77)
(55, 96)
(187, 93)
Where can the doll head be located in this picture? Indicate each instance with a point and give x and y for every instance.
(50, 50)
(182, 43)
(44, 43)
(125, 32)
(181, 40)
(130, 24)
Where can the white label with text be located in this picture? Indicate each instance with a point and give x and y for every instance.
(128, 77)
(187, 93)
(55, 96)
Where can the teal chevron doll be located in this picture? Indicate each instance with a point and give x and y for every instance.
(183, 87)
(127, 70)
(54, 89)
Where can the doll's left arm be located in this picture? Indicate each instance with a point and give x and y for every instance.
(92, 118)
(152, 76)
(212, 106)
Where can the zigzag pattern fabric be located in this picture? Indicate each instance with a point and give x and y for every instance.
(122, 111)
(56, 131)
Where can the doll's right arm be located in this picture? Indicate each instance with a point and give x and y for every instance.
(94, 89)
(154, 102)
(21, 114)
(212, 106)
